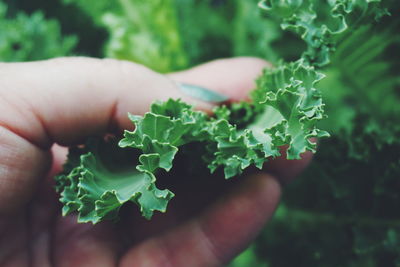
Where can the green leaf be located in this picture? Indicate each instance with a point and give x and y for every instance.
(104, 180)
(159, 132)
(290, 96)
(145, 32)
(321, 24)
(31, 37)
(285, 109)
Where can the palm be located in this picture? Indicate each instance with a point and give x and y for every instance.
(66, 100)
(39, 236)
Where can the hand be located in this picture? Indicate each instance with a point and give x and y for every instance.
(61, 102)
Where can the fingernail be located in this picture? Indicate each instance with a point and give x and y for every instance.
(202, 93)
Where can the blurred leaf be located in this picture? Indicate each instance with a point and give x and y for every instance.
(28, 38)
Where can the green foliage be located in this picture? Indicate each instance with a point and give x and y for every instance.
(142, 31)
(290, 89)
(344, 210)
(174, 34)
(100, 178)
(256, 34)
(27, 38)
(95, 186)
(321, 24)
(343, 213)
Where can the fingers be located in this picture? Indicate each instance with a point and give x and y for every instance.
(233, 77)
(217, 235)
(286, 170)
(22, 165)
(84, 245)
(65, 100)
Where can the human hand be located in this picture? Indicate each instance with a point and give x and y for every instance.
(62, 101)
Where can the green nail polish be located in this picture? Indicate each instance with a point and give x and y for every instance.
(201, 93)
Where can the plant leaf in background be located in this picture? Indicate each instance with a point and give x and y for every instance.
(344, 210)
(322, 23)
(142, 31)
(31, 37)
(257, 33)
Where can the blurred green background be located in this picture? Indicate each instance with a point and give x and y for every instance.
(345, 210)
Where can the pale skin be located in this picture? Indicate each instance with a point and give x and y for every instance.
(48, 104)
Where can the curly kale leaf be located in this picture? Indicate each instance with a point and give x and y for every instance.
(99, 178)
(160, 132)
(295, 104)
(321, 24)
(284, 111)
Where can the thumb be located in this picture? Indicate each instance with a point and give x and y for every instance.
(65, 100)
